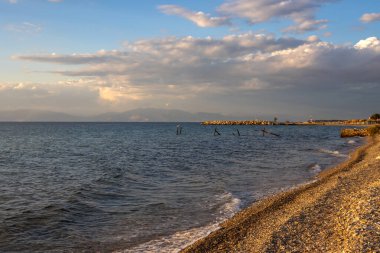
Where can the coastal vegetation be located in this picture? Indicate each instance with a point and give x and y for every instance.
(373, 130)
(375, 116)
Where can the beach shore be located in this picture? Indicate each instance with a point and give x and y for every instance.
(338, 212)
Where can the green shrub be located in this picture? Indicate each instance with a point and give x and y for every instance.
(373, 130)
(375, 116)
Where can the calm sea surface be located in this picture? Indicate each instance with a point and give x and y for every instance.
(138, 187)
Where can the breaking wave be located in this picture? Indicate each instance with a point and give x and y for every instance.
(182, 239)
(315, 168)
(332, 152)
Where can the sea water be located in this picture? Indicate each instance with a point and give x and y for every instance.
(140, 187)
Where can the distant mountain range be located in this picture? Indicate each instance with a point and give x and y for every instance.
(136, 115)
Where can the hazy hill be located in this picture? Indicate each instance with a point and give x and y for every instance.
(137, 115)
(36, 115)
(156, 115)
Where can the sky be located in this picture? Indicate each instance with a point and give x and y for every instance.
(286, 58)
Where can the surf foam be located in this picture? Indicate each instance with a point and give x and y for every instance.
(180, 240)
(315, 168)
(333, 152)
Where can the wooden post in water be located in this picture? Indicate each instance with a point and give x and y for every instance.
(266, 132)
(179, 129)
(216, 132)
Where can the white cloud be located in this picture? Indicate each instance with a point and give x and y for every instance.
(25, 27)
(222, 73)
(46, 96)
(51, 1)
(313, 38)
(371, 43)
(370, 17)
(302, 12)
(246, 61)
(264, 10)
(307, 26)
(99, 57)
(199, 18)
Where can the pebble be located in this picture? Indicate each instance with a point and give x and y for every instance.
(327, 217)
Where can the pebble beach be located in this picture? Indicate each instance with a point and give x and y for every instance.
(337, 212)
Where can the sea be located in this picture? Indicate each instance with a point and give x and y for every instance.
(140, 187)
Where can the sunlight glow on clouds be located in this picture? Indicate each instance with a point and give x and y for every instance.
(371, 43)
(117, 94)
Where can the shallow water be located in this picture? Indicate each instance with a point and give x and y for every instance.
(138, 186)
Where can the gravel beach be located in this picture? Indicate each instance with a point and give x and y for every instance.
(338, 212)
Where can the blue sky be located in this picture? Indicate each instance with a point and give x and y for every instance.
(75, 25)
(53, 48)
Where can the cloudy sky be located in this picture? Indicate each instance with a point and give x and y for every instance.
(287, 58)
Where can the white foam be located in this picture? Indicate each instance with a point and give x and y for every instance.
(334, 153)
(231, 206)
(173, 243)
(315, 168)
(351, 142)
(180, 240)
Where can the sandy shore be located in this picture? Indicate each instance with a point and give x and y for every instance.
(339, 212)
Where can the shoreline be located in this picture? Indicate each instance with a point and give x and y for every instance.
(320, 215)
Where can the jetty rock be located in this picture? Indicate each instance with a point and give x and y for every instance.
(237, 122)
(352, 132)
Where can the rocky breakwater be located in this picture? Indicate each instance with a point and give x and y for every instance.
(238, 122)
(352, 132)
(361, 132)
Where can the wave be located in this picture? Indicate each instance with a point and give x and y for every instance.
(230, 207)
(315, 168)
(351, 142)
(182, 239)
(332, 152)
